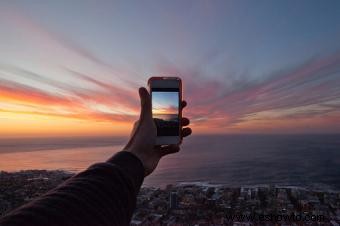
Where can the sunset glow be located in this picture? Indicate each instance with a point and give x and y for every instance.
(67, 74)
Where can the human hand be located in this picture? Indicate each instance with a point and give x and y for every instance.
(143, 136)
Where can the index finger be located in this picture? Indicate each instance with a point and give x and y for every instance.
(183, 104)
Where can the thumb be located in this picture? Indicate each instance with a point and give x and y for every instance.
(145, 99)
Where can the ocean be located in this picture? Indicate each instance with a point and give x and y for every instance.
(311, 161)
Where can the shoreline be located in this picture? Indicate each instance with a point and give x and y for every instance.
(201, 200)
(38, 173)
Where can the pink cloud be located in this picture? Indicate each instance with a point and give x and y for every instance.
(314, 82)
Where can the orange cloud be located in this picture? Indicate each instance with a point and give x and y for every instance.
(168, 110)
(26, 110)
(298, 99)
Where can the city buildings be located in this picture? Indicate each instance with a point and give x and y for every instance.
(196, 203)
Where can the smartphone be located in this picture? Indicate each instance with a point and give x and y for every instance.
(166, 96)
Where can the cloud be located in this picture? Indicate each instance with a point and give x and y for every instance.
(308, 93)
(71, 102)
(17, 92)
(104, 102)
(92, 116)
(224, 104)
(165, 110)
(47, 96)
(116, 93)
(62, 47)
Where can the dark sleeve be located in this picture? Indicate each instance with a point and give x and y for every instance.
(104, 194)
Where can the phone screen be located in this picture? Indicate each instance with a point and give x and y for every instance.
(165, 110)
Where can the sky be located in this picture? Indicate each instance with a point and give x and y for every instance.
(165, 102)
(74, 67)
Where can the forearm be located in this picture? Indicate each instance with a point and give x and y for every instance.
(104, 194)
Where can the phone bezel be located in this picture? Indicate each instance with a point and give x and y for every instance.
(166, 140)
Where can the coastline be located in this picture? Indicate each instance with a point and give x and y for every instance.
(23, 186)
(36, 174)
(231, 160)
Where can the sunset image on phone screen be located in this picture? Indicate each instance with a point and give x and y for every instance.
(165, 112)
